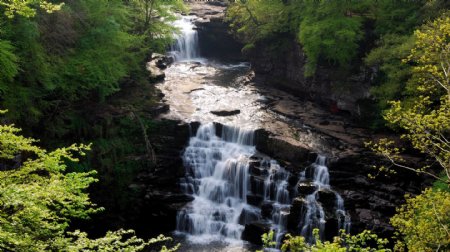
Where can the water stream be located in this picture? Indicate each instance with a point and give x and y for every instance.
(186, 45)
(234, 185)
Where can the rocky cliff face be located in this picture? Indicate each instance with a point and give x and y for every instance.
(283, 68)
(215, 41)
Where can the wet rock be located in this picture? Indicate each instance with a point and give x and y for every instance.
(158, 109)
(226, 112)
(156, 66)
(292, 180)
(248, 216)
(168, 197)
(254, 230)
(257, 184)
(254, 199)
(332, 228)
(306, 187)
(280, 149)
(254, 170)
(266, 210)
(297, 211)
(284, 70)
(327, 198)
(155, 72)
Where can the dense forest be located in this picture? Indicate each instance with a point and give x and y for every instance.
(65, 66)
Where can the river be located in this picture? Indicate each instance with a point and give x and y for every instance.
(235, 187)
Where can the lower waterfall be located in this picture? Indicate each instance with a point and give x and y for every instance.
(234, 185)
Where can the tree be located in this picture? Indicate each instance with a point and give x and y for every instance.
(424, 221)
(424, 121)
(38, 199)
(27, 8)
(425, 117)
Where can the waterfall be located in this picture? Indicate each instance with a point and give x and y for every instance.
(218, 179)
(315, 212)
(234, 185)
(186, 42)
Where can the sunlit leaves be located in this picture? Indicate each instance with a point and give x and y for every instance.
(27, 8)
(424, 221)
(363, 242)
(38, 199)
(426, 123)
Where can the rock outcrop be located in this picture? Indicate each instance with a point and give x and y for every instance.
(156, 66)
(284, 69)
(215, 41)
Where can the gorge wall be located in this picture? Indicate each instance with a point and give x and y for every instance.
(283, 67)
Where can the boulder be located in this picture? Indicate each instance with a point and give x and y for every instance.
(254, 230)
(306, 187)
(297, 211)
(254, 199)
(155, 72)
(248, 215)
(266, 210)
(225, 112)
(327, 198)
(157, 64)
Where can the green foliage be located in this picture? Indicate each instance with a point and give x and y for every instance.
(8, 61)
(328, 31)
(27, 8)
(342, 243)
(397, 17)
(424, 221)
(256, 20)
(331, 32)
(76, 56)
(267, 239)
(425, 123)
(424, 118)
(156, 33)
(393, 73)
(38, 199)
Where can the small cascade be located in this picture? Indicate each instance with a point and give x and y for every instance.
(186, 42)
(319, 204)
(233, 186)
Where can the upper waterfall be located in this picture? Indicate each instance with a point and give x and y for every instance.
(186, 42)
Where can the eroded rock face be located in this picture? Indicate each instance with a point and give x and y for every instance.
(284, 70)
(214, 39)
(371, 202)
(159, 194)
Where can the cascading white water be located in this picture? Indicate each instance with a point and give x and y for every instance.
(186, 42)
(315, 213)
(220, 178)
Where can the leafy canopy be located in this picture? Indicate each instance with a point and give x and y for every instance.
(424, 120)
(424, 221)
(38, 199)
(27, 8)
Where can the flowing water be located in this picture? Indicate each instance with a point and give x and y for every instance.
(232, 183)
(186, 45)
